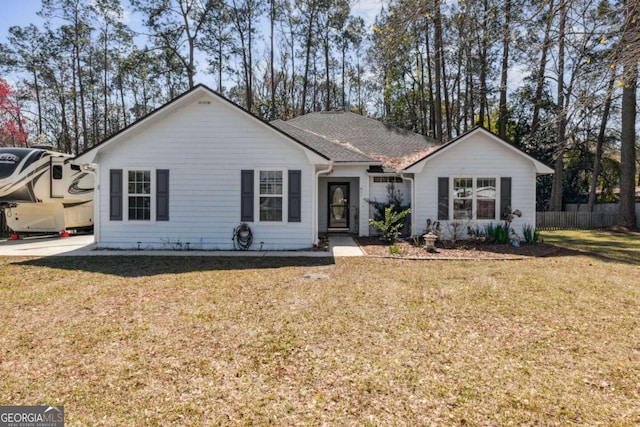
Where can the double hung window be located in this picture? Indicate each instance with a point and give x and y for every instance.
(474, 198)
(139, 195)
(271, 195)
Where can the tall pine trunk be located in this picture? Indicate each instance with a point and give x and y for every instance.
(561, 119)
(599, 144)
(631, 45)
(502, 123)
(272, 18)
(537, 100)
(437, 23)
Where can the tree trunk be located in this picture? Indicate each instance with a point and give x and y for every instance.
(105, 94)
(437, 22)
(36, 87)
(344, 54)
(293, 74)
(484, 64)
(307, 61)
(431, 101)
(220, 65)
(458, 86)
(627, 208)
(447, 105)
(626, 211)
(83, 112)
(122, 103)
(502, 123)
(326, 71)
(599, 143)
(537, 100)
(250, 67)
(75, 109)
(272, 17)
(423, 101)
(469, 105)
(561, 139)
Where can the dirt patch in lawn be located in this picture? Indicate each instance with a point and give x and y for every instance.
(373, 246)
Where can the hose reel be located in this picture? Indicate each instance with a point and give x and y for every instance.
(242, 237)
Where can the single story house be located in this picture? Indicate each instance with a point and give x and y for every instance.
(192, 171)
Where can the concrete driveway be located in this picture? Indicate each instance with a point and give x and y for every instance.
(83, 245)
(47, 246)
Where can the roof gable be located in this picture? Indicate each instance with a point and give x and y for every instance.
(187, 97)
(417, 166)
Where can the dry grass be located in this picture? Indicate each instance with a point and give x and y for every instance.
(210, 341)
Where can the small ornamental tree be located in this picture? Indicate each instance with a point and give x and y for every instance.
(391, 224)
(12, 133)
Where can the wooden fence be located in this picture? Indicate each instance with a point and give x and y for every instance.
(574, 220)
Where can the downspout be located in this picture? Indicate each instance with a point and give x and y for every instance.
(413, 199)
(314, 216)
(92, 168)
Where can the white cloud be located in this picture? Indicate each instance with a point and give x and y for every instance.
(517, 74)
(367, 10)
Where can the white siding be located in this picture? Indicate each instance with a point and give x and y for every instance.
(378, 192)
(205, 145)
(477, 156)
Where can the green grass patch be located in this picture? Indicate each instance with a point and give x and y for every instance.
(605, 245)
(220, 341)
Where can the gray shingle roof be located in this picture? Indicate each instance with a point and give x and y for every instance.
(349, 137)
(337, 152)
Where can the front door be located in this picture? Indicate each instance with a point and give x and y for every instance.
(339, 205)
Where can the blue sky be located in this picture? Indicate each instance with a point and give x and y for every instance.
(17, 12)
(24, 12)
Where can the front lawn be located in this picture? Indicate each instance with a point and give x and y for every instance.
(214, 341)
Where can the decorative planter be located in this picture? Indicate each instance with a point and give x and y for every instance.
(430, 241)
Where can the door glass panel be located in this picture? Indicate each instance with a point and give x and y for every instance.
(338, 206)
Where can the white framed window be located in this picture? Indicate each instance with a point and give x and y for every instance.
(387, 179)
(139, 186)
(486, 198)
(474, 198)
(271, 195)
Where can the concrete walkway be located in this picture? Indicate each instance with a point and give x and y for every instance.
(344, 246)
(83, 245)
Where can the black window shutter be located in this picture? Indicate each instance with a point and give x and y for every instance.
(162, 195)
(505, 196)
(295, 196)
(115, 194)
(443, 198)
(246, 196)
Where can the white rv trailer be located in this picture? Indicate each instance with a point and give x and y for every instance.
(40, 192)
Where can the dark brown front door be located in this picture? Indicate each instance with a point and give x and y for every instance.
(339, 205)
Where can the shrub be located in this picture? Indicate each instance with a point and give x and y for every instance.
(498, 233)
(391, 224)
(531, 236)
(477, 232)
(394, 200)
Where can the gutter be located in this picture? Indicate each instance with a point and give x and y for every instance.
(314, 216)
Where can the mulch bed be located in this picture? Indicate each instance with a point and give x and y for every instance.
(373, 246)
